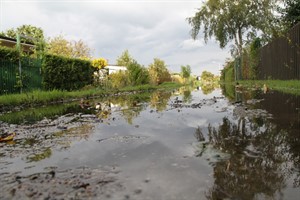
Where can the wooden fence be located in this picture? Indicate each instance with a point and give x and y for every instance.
(280, 59)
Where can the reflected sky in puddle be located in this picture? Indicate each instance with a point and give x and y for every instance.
(182, 145)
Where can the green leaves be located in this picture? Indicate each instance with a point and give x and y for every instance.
(158, 72)
(125, 59)
(72, 49)
(232, 20)
(66, 73)
(31, 34)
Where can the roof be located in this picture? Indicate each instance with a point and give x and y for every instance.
(115, 67)
(11, 43)
(14, 40)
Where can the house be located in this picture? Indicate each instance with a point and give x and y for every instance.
(114, 68)
(11, 43)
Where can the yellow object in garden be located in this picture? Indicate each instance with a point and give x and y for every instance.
(7, 136)
(99, 63)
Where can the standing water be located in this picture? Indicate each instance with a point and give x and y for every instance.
(183, 144)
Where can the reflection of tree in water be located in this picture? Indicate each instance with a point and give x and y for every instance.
(256, 165)
(186, 93)
(208, 88)
(159, 100)
(131, 105)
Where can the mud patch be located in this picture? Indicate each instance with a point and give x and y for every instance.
(81, 183)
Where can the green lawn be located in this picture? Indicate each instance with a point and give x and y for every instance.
(286, 86)
(45, 97)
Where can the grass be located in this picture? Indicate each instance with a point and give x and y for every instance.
(285, 86)
(39, 97)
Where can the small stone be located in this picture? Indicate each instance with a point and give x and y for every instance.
(138, 191)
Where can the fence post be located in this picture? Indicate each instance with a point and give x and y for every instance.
(20, 66)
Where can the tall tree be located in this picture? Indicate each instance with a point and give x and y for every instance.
(125, 59)
(291, 12)
(234, 20)
(74, 49)
(158, 72)
(207, 76)
(137, 74)
(32, 34)
(186, 72)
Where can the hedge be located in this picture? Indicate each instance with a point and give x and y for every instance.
(8, 54)
(66, 73)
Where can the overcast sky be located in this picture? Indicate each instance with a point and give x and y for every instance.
(147, 28)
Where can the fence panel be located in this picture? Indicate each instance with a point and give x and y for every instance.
(280, 59)
(8, 79)
(30, 75)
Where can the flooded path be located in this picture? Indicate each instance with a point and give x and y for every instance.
(179, 144)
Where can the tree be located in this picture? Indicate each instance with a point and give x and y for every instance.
(73, 49)
(291, 12)
(137, 74)
(186, 72)
(60, 46)
(207, 76)
(80, 49)
(234, 20)
(32, 34)
(158, 72)
(125, 59)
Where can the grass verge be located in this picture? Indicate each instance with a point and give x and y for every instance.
(46, 97)
(285, 86)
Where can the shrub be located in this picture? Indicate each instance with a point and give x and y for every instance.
(66, 73)
(118, 79)
(8, 54)
(137, 75)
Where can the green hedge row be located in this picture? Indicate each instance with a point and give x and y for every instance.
(65, 73)
(227, 74)
(8, 54)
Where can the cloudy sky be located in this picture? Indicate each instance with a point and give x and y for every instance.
(147, 28)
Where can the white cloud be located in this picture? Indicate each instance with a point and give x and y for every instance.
(191, 44)
(147, 28)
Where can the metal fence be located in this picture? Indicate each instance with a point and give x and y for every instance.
(280, 59)
(15, 78)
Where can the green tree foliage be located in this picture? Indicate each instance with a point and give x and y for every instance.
(32, 34)
(291, 12)
(137, 74)
(158, 72)
(118, 79)
(207, 76)
(186, 72)
(72, 49)
(9, 55)
(125, 59)
(234, 20)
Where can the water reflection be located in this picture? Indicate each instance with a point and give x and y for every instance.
(159, 100)
(264, 150)
(250, 144)
(253, 169)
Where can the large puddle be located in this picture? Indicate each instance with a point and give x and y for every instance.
(181, 144)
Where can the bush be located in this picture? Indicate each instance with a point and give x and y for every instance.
(137, 74)
(66, 73)
(9, 54)
(227, 74)
(118, 79)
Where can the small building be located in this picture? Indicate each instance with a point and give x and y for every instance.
(114, 68)
(11, 43)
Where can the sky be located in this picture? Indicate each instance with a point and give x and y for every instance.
(148, 29)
